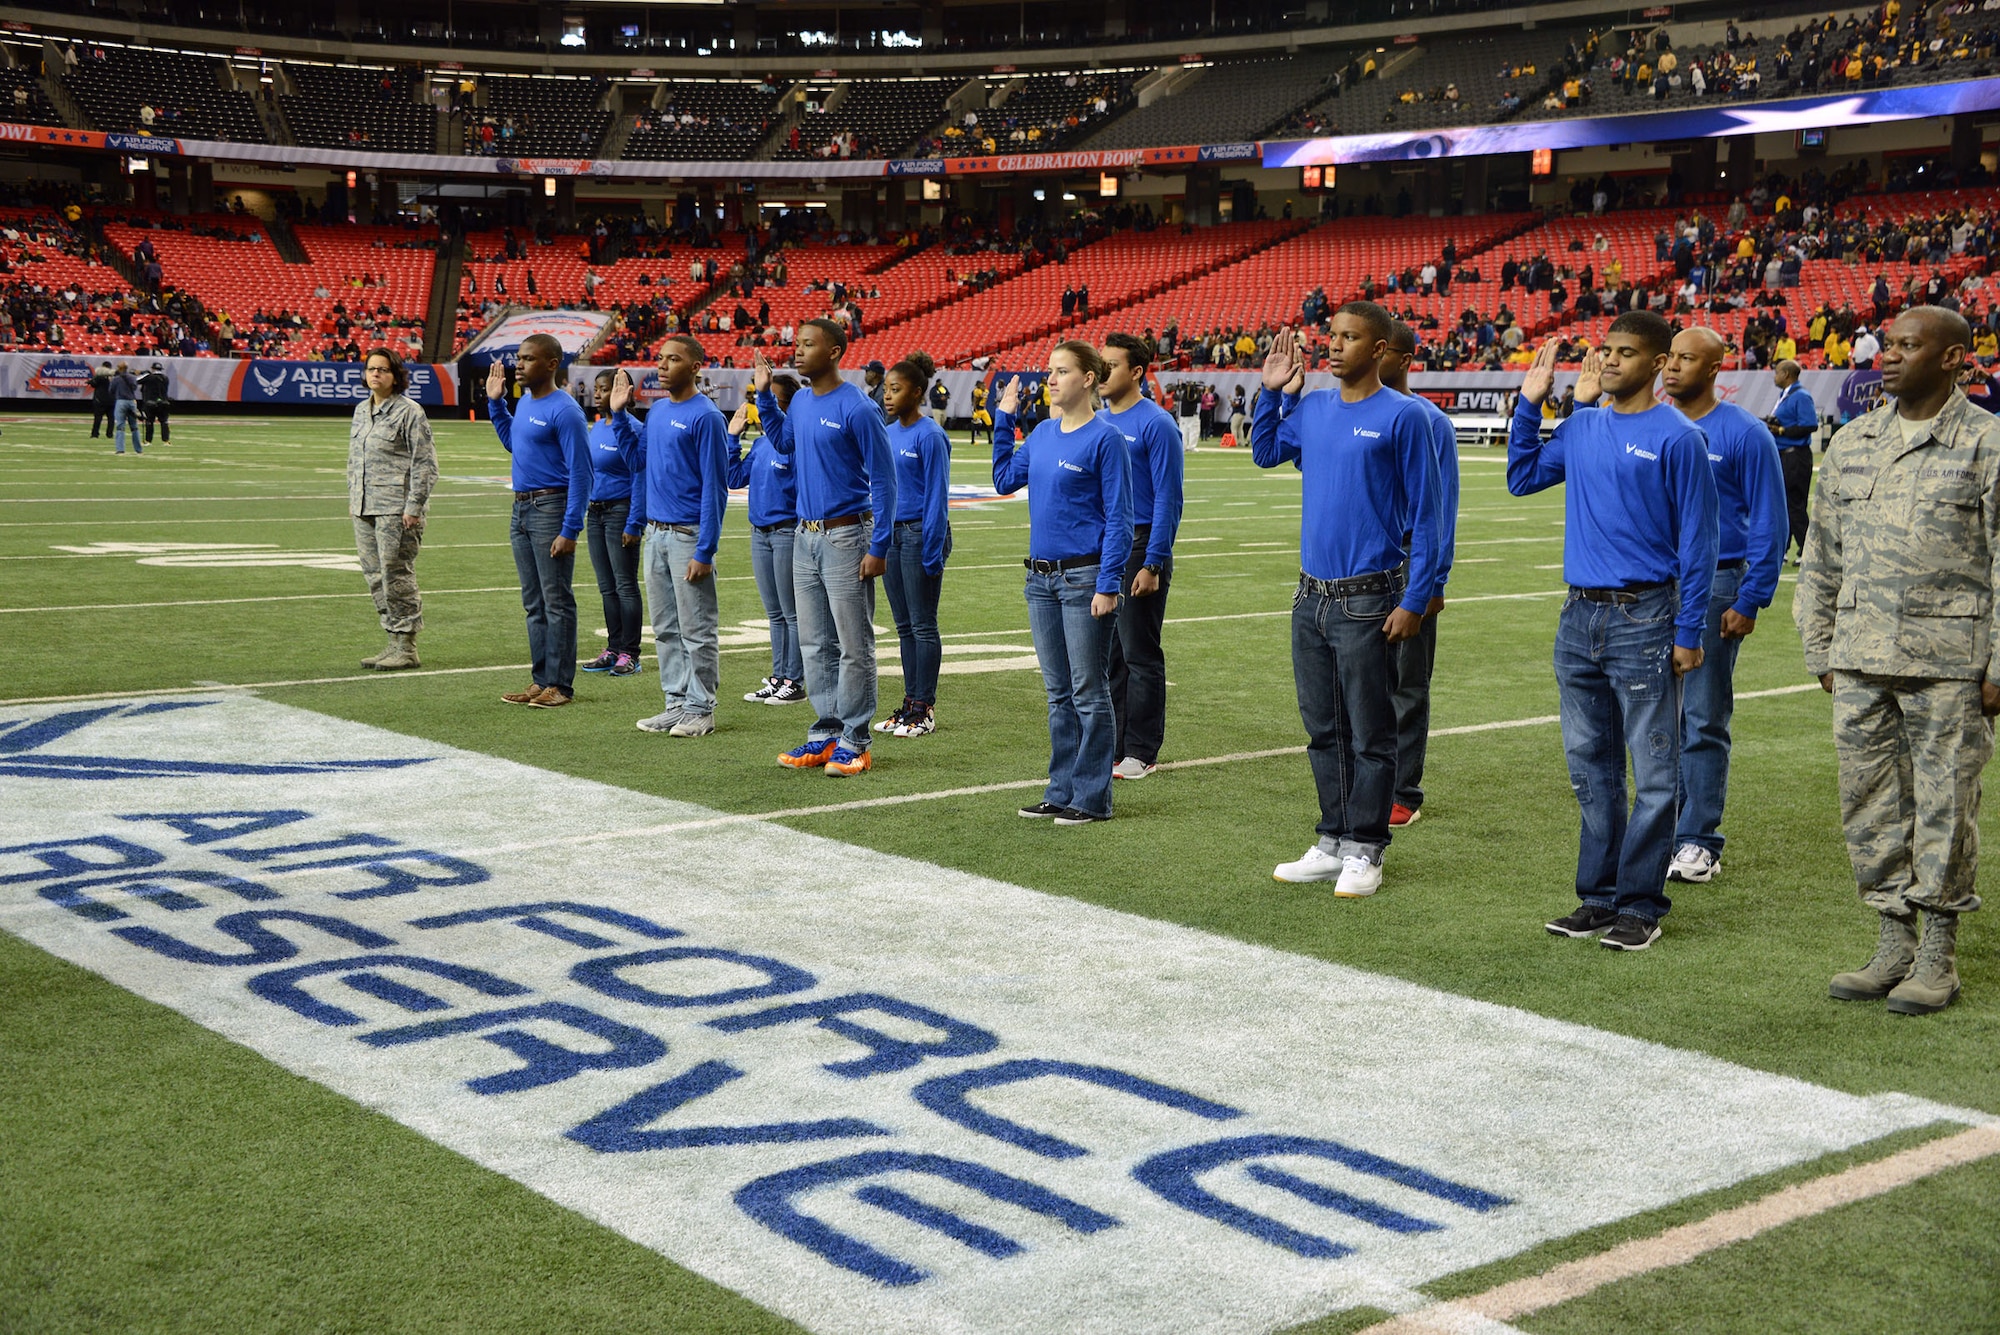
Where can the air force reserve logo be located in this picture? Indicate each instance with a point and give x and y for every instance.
(22, 754)
(934, 1102)
(272, 385)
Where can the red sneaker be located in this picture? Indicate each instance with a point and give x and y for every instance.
(1400, 815)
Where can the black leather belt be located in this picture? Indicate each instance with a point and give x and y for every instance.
(1066, 563)
(1383, 581)
(599, 507)
(773, 528)
(539, 491)
(1631, 593)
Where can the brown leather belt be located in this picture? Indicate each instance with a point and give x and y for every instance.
(544, 491)
(842, 521)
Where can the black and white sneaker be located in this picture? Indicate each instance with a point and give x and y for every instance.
(1588, 920)
(788, 692)
(1075, 817)
(1693, 865)
(895, 720)
(1631, 933)
(1043, 810)
(765, 690)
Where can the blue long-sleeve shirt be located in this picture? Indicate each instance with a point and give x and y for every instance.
(1368, 473)
(614, 440)
(550, 442)
(682, 464)
(1640, 503)
(1444, 445)
(840, 457)
(1796, 412)
(1079, 491)
(923, 484)
(1752, 522)
(767, 475)
(1154, 439)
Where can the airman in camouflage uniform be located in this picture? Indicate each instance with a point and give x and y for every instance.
(1896, 607)
(391, 468)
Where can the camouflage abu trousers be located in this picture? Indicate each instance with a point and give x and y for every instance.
(1911, 752)
(388, 554)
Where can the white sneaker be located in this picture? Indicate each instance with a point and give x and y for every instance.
(1131, 767)
(1359, 878)
(1316, 865)
(693, 725)
(659, 722)
(1693, 864)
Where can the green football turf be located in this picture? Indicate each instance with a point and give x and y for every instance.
(158, 1178)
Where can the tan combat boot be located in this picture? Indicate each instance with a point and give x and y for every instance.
(1933, 982)
(402, 653)
(1891, 965)
(376, 658)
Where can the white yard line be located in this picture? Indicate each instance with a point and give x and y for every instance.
(1483, 1312)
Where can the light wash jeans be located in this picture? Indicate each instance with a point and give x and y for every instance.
(1075, 651)
(685, 622)
(124, 418)
(836, 610)
(1708, 699)
(1615, 677)
(771, 563)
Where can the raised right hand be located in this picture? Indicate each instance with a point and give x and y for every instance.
(760, 373)
(1010, 397)
(496, 379)
(1541, 376)
(1282, 362)
(740, 418)
(621, 391)
(1589, 387)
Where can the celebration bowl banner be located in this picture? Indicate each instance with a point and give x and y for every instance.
(1799, 113)
(575, 330)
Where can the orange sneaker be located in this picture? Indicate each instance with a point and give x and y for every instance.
(843, 762)
(809, 756)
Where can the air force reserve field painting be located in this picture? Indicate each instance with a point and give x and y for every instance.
(912, 1100)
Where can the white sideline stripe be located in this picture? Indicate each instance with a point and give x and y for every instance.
(975, 790)
(1680, 1245)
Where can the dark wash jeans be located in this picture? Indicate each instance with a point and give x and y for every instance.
(547, 592)
(1342, 665)
(1139, 666)
(1615, 674)
(617, 568)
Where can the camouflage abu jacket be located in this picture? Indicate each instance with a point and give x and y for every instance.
(1899, 574)
(391, 462)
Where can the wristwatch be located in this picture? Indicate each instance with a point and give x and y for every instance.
(1152, 568)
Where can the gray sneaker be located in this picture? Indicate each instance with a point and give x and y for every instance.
(1131, 767)
(693, 725)
(660, 722)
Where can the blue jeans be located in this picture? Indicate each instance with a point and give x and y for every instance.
(836, 631)
(1708, 698)
(913, 601)
(617, 568)
(546, 593)
(124, 418)
(1343, 669)
(1075, 650)
(685, 622)
(771, 563)
(1614, 671)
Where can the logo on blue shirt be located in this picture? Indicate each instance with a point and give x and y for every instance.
(1644, 454)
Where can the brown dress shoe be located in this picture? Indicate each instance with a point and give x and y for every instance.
(526, 697)
(552, 697)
